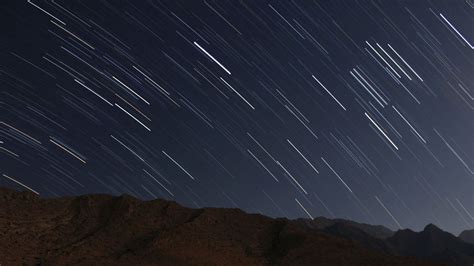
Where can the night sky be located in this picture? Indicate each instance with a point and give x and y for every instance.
(360, 110)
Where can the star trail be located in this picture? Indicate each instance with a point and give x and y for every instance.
(360, 110)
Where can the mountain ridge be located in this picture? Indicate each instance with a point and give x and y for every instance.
(105, 230)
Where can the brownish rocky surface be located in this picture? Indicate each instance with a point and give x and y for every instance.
(107, 230)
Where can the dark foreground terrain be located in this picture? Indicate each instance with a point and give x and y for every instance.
(107, 230)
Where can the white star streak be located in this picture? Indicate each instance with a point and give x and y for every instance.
(304, 209)
(337, 175)
(452, 27)
(405, 62)
(399, 67)
(454, 152)
(95, 93)
(212, 57)
(389, 213)
(304, 157)
(383, 59)
(236, 92)
(291, 176)
(134, 118)
(175, 162)
(46, 12)
(261, 164)
(75, 36)
(464, 208)
(406, 121)
(130, 150)
(127, 87)
(338, 102)
(381, 131)
(158, 182)
(21, 184)
(68, 151)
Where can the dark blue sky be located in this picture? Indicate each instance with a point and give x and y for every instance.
(355, 109)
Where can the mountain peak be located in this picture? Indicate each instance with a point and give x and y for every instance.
(432, 228)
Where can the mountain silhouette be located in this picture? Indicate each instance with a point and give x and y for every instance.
(433, 243)
(377, 231)
(467, 236)
(107, 230)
